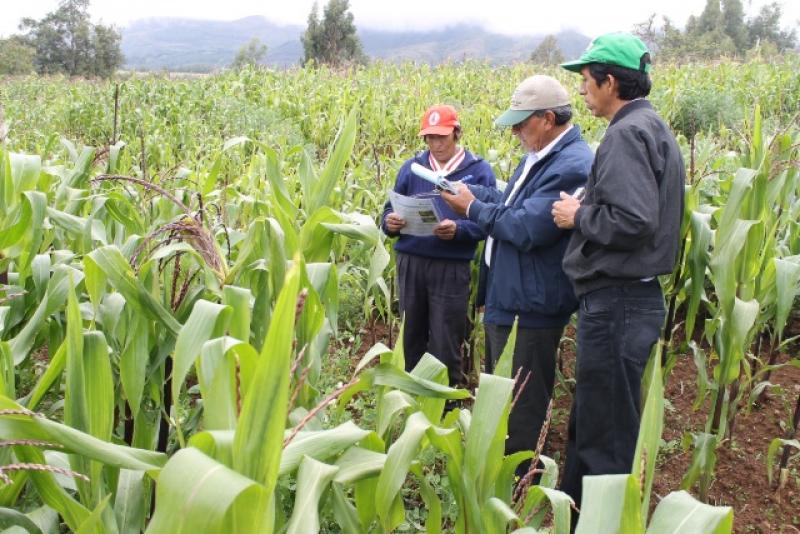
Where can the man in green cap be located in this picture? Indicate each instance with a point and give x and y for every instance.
(626, 233)
(521, 270)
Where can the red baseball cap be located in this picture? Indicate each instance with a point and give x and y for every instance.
(439, 120)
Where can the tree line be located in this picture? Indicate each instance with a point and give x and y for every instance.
(64, 41)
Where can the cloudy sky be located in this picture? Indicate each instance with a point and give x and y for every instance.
(504, 16)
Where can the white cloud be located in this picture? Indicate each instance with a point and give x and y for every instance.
(505, 16)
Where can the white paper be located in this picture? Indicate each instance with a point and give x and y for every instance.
(419, 213)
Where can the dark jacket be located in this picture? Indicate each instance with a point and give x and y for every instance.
(472, 170)
(628, 225)
(526, 278)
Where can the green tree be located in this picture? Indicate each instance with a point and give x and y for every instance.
(332, 40)
(67, 42)
(107, 52)
(548, 52)
(250, 54)
(734, 23)
(16, 56)
(766, 28)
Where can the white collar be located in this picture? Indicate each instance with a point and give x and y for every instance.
(546, 150)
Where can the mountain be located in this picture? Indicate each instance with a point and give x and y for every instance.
(180, 44)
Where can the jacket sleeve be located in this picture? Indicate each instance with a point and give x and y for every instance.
(623, 213)
(400, 186)
(466, 230)
(530, 224)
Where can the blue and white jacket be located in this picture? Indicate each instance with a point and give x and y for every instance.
(526, 277)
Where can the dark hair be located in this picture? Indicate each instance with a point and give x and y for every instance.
(631, 83)
(563, 114)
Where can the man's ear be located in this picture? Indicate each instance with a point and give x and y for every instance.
(613, 84)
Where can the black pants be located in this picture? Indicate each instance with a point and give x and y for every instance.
(617, 328)
(534, 351)
(434, 296)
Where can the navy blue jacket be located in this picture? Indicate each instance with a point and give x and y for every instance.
(526, 277)
(472, 170)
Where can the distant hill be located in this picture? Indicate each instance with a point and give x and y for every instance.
(204, 45)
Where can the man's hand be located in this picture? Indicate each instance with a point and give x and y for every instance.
(446, 229)
(460, 200)
(394, 223)
(564, 211)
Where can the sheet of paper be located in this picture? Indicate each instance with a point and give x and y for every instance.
(420, 214)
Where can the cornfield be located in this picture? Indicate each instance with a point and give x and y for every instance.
(183, 258)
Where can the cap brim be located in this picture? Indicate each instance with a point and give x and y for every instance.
(512, 117)
(574, 66)
(437, 130)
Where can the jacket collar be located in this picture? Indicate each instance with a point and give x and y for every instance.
(574, 134)
(571, 135)
(630, 107)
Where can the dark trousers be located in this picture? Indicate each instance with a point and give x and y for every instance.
(434, 296)
(534, 351)
(617, 328)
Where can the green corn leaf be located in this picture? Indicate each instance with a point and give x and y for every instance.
(504, 363)
(75, 441)
(321, 189)
(485, 439)
(345, 513)
(119, 273)
(207, 320)
(259, 433)
(54, 299)
(433, 524)
(701, 238)
(209, 496)
(129, 502)
(787, 276)
(650, 429)
(356, 464)
(393, 403)
(133, 361)
(238, 298)
(313, 479)
(398, 463)
(610, 504)
(9, 516)
(679, 512)
(320, 445)
(388, 375)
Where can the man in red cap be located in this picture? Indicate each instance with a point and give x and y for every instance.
(433, 272)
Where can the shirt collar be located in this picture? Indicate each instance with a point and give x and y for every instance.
(546, 150)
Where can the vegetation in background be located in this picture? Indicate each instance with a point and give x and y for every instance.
(250, 54)
(65, 41)
(332, 40)
(548, 52)
(721, 30)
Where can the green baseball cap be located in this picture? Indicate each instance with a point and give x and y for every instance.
(620, 49)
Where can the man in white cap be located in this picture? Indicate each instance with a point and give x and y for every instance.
(524, 250)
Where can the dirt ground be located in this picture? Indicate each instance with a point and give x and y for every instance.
(741, 470)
